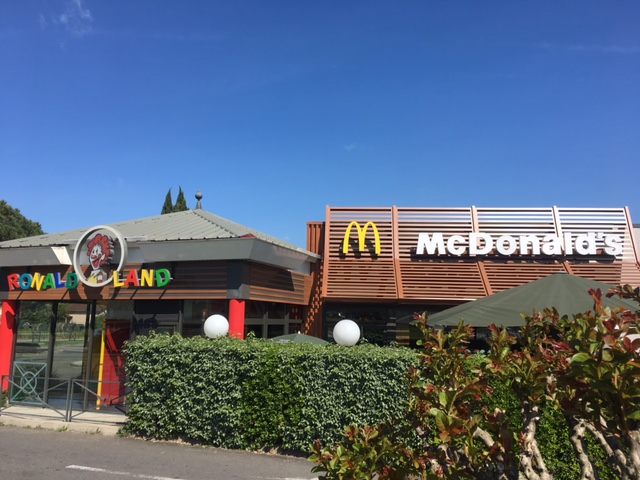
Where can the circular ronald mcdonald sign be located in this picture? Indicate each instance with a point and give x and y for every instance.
(96, 253)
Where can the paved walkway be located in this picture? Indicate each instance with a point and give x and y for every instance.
(101, 423)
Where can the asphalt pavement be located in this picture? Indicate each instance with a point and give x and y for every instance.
(36, 443)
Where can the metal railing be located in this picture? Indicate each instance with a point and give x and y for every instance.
(67, 398)
(89, 395)
(27, 390)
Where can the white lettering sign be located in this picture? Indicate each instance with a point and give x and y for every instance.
(479, 243)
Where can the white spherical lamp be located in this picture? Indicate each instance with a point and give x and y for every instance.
(346, 332)
(216, 326)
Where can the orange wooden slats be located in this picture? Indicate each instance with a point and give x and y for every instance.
(397, 273)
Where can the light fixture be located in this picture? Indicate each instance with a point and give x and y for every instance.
(346, 332)
(216, 326)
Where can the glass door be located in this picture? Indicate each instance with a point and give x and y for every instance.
(69, 343)
(51, 351)
(71, 357)
(31, 358)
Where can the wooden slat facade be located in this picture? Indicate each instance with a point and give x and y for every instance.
(351, 280)
(268, 284)
(398, 274)
(190, 281)
(312, 324)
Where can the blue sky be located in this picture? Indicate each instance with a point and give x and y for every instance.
(276, 109)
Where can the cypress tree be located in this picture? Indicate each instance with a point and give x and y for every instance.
(168, 204)
(181, 203)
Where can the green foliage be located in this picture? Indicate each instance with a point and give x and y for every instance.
(361, 385)
(15, 225)
(167, 207)
(555, 446)
(365, 453)
(260, 394)
(394, 413)
(100, 318)
(600, 381)
(532, 391)
(446, 391)
(272, 397)
(35, 319)
(35, 313)
(552, 434)
(170, 207)
(181, 202)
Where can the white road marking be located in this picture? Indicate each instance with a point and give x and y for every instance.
(113, 472)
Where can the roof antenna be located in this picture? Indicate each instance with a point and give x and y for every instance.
(199, 197)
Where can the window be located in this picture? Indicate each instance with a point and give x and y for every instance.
(195, 312)
(270, 319)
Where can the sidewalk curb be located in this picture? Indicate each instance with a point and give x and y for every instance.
(80, 427)
(40, 418)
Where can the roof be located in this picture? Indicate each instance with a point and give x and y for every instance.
(569, 294)
(156, 237)
(186, 225)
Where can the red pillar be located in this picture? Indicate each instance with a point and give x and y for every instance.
(8, 331)
(236, 318)
(113, 373)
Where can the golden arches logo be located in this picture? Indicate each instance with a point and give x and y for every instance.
(362, 233)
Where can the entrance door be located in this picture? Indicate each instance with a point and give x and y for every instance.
(49, 352)
(69, 346)
(111, 375)
(31, 355)
(69, 349)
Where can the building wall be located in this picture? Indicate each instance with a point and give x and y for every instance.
(371, 270)
(189, 281)
(313, 314)
(354, 271)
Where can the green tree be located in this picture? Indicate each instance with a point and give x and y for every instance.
(526, 371)
(168, 204)
(586, 367)
(181, 202)
(444, 415)
(179, 206)
(599, 385)
(15, 225)
(33, 313)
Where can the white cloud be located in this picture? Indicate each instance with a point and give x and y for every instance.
(76, 19)
(350, 148)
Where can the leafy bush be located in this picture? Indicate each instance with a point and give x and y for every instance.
(553, 436)
(259, 394)
(559, 400)
(355, 405)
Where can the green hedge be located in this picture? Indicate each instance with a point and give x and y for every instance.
(552, 436)
(258, 394)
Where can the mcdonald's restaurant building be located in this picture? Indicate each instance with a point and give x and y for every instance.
(381, 265)
(70, 300)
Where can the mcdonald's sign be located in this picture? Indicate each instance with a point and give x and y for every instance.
(362, 233)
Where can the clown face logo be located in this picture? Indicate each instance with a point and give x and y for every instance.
(99, 245)
(100, 253)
